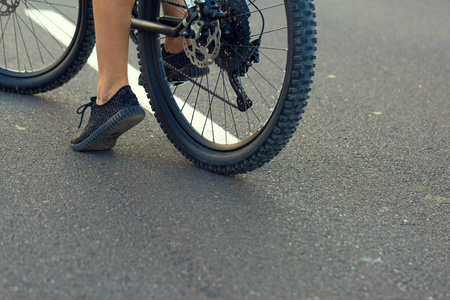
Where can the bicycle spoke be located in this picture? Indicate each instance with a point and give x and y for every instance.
(265, 79)
(210, 108)
(254, 113)
(240, 112)
(55, 7)
(178, 8)
(196, 102)
(25, 46)
(28, 38)
(261, 52)
(209, 111)
(256, 11)
(231, 110)
(261, 47)
(41, 43)
(2, 39)
(15, 41)
(270, 31)
(259, 92)
(187, 97)
(38, 47)
(262, 83)
(54, 25)
(53, 4)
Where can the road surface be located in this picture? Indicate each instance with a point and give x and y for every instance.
(357, 205)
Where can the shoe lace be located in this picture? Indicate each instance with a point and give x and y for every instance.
(83, 108)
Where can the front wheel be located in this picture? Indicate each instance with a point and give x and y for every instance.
(43, 44)
(246, 108)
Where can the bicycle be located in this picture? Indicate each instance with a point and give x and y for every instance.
(259, 55)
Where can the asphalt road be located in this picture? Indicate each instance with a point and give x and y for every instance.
(357, 205)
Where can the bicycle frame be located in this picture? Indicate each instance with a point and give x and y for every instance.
(172, 30)
(171, 26)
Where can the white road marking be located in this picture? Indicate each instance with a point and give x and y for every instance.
(62, 30)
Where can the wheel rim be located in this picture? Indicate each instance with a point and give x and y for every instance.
(34, 35)
(211, 117)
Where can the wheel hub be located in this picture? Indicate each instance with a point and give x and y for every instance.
(8, 7)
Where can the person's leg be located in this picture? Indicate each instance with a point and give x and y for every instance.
(178, 64)
(112, 27)
(173, 45)
(116, 108)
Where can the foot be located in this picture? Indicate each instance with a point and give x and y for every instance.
(108, 121)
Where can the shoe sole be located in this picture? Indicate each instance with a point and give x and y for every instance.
(105, 137)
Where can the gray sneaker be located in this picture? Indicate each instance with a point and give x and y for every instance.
(108, 121)
(178, 64)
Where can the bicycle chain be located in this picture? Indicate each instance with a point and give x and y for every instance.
(201, 86)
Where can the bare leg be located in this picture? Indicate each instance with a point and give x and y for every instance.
(112, 26)
(173, 45)
(107, 122)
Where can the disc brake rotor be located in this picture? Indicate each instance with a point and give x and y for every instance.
(204, 55)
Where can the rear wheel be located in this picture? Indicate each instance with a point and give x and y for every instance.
(43, 44)
(245, 110)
